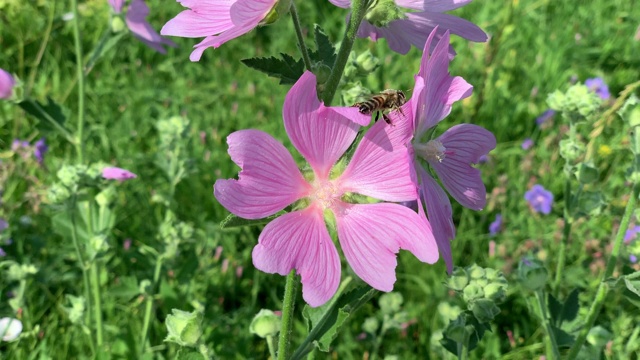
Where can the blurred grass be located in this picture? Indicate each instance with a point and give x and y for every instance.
(535, 47)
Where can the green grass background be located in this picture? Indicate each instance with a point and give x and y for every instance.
(535, 47)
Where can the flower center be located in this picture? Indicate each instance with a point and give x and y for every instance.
(433, 150)
(326, 193)
(382, 12)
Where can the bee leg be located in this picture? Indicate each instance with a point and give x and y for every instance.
(377, 116)
(400, 110)
(386, 119)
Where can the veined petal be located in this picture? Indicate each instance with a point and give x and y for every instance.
(372, 234)
(464, 144)
(300, 240)
(140, 27)
(269, 179)
(251, 11)
(439, 213)
(454, 24)
(320, 134)
(341, 3)
(216, 41)
(194, 24)
(432, 5)
(380, 166)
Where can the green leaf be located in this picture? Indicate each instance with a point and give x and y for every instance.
(570, 307)
(126, 288)
(288, 70)
(478, 330)
(555, 309)
(326, 52)
(106, 43)
(189, 355)
(563, 339)
(325, 321)
(50, 115)
(632, 282)
(233, 221)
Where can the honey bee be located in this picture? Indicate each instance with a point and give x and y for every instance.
(384, 102)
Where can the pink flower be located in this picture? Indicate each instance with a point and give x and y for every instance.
(370, 234)
(391, 20)
(136, 20)
(6, 84)
(450, 155)
(217, 20)
(116, 173)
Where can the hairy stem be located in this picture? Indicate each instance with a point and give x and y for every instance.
(149, 305)
(288, 305)
(566, 234)
(80, 75)
(601, 294)
(97, 301)
(301, 45)
(551, 337)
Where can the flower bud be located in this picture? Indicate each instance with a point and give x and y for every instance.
(532, 274)
(571, 150)
(58, 194)
(476, 272)
(390, 303)
(185, 328)
(98, 244)
(117, 25)
(106, 197)
(484, 310)
(371, 325)
(459, 279)
(70, 175)
(472, 292)
(354, 93)
(495, 292)
(75, 311)
(383, 13)
(17, 272)
(265, 323)
(587, 173)
(599, 336)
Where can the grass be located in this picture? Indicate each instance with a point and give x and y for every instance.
(535, 47)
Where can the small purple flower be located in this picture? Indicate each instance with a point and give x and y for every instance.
(539, 199)
(631, 234)
(6, 84)
(116, 173)
(17, 144)
(2, 253)
(527, 144)
(548, 114)
(633, 258)
(40, 148)
(496, 225)
(126, 245)
(598, 86)
(483, 159)
(3, 224)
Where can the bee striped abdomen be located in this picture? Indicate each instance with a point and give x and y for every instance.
(383, 102)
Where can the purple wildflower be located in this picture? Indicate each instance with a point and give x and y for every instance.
(116, 173)
(598, 86)
(3, 224)
(496, 225)
(136, 20)
(527, 144)
(6, 84)
(548, 114)
(633, 258)
(483, 159)
(539, 199)
(17, 144)
(40, 149)
(2, 253)
(631, 234)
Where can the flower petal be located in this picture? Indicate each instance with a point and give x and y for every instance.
(300, 240)
(192, 24)
(464, 144)
(380, 166)
(320, 134)
(372, 234)
(140, 27)
(432, 5)
(341, 3)
(440, 215)
(459, 26)
(269, 179)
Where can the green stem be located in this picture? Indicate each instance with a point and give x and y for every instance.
(301, 45)
(358, 11)
(83, 267)
(288, 305)
(97, 309)
(43, 46)
(566, 233)
(542, 307)
(149, 304)
(271, 343)
(601, 294)
(80, 75)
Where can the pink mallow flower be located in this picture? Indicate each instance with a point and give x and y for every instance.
(116, 173)
(136, 20)
(370, 234)
(450, 155)
(409, 22)
(218, 21)
(6, 84)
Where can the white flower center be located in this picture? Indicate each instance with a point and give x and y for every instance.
(326, 193)
(433, 150)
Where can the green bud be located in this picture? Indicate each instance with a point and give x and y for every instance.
(577, 104)
(371, 325)
(145, 287)
(265, 323)
(481, 282)
(321, 71)
(98, 244)
(587, 173)
(117, 25)
(599, 336)
(70, 175)
(184, 328)
(495, 292)
(383, 13)
(634, 117)
(94, 172)
(476, 272)
(484, 310)
(458, 279)
(590, 203)
(58, 194)
(353, 93)
(472, 292)
(390, 303)
(367, 63)
(571, 150)
(18, 272)
(106, 197)
(532, 274)
(279, 10)
(75, 311)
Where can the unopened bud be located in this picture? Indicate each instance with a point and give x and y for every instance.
(484, 310)
(459, 279)
(184, 328)
(472, 292)
(390, 303)
(265, 323)
(532, 274)
(371, 325)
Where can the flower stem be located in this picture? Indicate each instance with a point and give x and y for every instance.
(288, 305)
(149, 304)
(542, 307)
(80, 75)
(358, 11)
(301, 45)
(601, 294)
(97, 309)
(271, 343)
(566, 233)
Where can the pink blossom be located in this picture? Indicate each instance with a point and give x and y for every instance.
(136, 20)
(450, 155)
(411, 22)
(6, 84)
(370, 234)
(116, 173)
(218, 21)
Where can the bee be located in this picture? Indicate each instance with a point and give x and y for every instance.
(384, 102)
